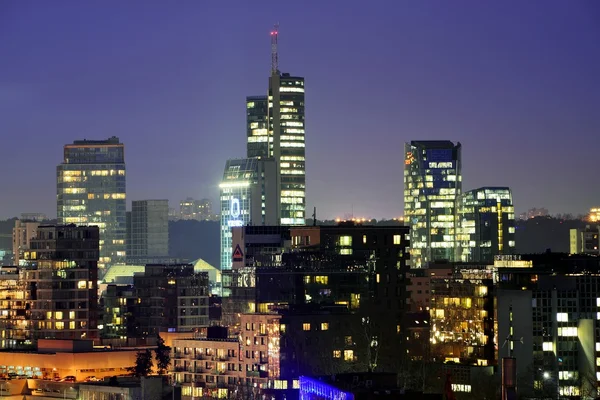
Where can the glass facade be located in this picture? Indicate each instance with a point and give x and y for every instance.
(148, 229)
(248, 197)
(486, 219)
(257, 111)
(90, 190)
(286, 126)
(432, 182)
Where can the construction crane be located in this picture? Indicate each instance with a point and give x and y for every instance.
(274, 55)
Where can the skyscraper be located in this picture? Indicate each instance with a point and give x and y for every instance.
(90, 190)
(275, 129)
(486, 224)
(432, 182)
(147, 230)
(249, 196)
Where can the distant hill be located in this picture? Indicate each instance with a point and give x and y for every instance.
(194, 239)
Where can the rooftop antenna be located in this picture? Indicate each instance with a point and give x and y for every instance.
(315, 217)
(274, 55)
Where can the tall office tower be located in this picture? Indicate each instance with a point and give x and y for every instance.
(432, 182)
(22, 234)
(91, 191)
(486, 224)
(275, 129)
(249, 196)
(147, 230)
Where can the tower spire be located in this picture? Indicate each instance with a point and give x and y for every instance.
(274, 55)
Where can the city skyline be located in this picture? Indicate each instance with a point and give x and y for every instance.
(511, 82)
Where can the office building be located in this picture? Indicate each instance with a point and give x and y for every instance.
(432, 184)
(171, 298)
(275, 129)
(486, 224)
(91, 191)
(249, 196)
(35, 217)
(147, 231)
(585, 240)
(22, 233)
(15, 309)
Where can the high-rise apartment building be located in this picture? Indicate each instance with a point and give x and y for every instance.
(148, 230)
(432, 183)
(22, 234)
(585, 240)
(249, 196)
(91, 191)
(486, 224)
(275, 129)
(199, 210)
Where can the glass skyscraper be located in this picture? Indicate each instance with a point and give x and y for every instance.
(432, 182)
(90, 190)
(249, 196)
(275, 129)
(486, 218)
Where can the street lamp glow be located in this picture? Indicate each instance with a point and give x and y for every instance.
(546, 375)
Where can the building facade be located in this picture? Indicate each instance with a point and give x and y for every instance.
(249, 196)
(171, 298)
(199, 210)
(486, 224)
(259, 144)
(585, 241)
(22, 233)
(91, 191)
(432, 184)
(147, 230)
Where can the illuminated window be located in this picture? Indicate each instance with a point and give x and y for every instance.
(364, 239)
(81, 285)
(562, 317)
(58, 315)
(348, 340)
(282, 328)
(337, 354)
(323, 280)
(324, 326)
(570, 331)
(397, 239)
(71, 314)
(547, 346)
(306, 326)
(345, 240)
(348, 355)
(60, 325)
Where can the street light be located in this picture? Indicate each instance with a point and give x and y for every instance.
(546, 375)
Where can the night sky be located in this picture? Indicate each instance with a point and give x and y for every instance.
(516, 82)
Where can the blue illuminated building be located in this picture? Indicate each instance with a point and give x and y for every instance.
(249, 196)
(432, 184)
(312, 389)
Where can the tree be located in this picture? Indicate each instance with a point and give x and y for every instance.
(162, 355)
(143, 364)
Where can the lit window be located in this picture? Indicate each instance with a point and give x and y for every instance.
(547, 346)
(348, 355)
(397, 239)
(570, 331)
(562, 317)
(323, 280)
(337, 354)
(345, 240)
(306, 326)
(324, 326)
(58, 315)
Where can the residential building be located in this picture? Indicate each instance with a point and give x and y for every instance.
(486, 224)
(548, 308)
(147, 231)
(62, 267)
(199, 210)
(118, 304)
(22, 233)
(15, 310)
(249, 196)
(171, 298)
(585, 241)
(91, 191)
(432, 184)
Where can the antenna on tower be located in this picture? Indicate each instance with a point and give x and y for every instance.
(274, 55)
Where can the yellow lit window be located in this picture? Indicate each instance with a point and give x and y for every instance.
(345, 240)
(337, 354)
(348, 355)
(72, 325)
(306, 326)
(282, 328)
(58, 315)
(323, 280)
(397, 239)
(324, 326)
(81, 285)
(60, 325)
(71, 314)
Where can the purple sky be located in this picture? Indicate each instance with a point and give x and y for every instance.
(517, 82)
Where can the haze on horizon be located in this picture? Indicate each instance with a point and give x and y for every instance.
(516, 83)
